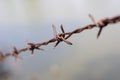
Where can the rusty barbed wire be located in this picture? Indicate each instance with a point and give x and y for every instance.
(62, 37)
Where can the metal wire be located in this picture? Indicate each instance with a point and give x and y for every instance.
(61, 37)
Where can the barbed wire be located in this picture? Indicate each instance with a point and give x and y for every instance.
(62, 37)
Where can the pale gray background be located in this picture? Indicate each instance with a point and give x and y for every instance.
(88, 59)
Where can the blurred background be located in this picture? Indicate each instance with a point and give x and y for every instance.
(87, 59)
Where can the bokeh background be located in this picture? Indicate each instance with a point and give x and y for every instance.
(88, 59)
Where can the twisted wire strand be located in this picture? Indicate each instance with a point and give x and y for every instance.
(60, 37)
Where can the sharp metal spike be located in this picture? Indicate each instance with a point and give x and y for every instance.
(32, 53)
(14, 49)
(55, 34)
(92, 18)
(99, 32)
(56, 43)
(69, 43)
(62, 29)
(54, 30)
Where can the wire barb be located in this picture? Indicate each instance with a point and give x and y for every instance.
(99, 24)
(61, 37)
(32, 47)
(15, 54)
